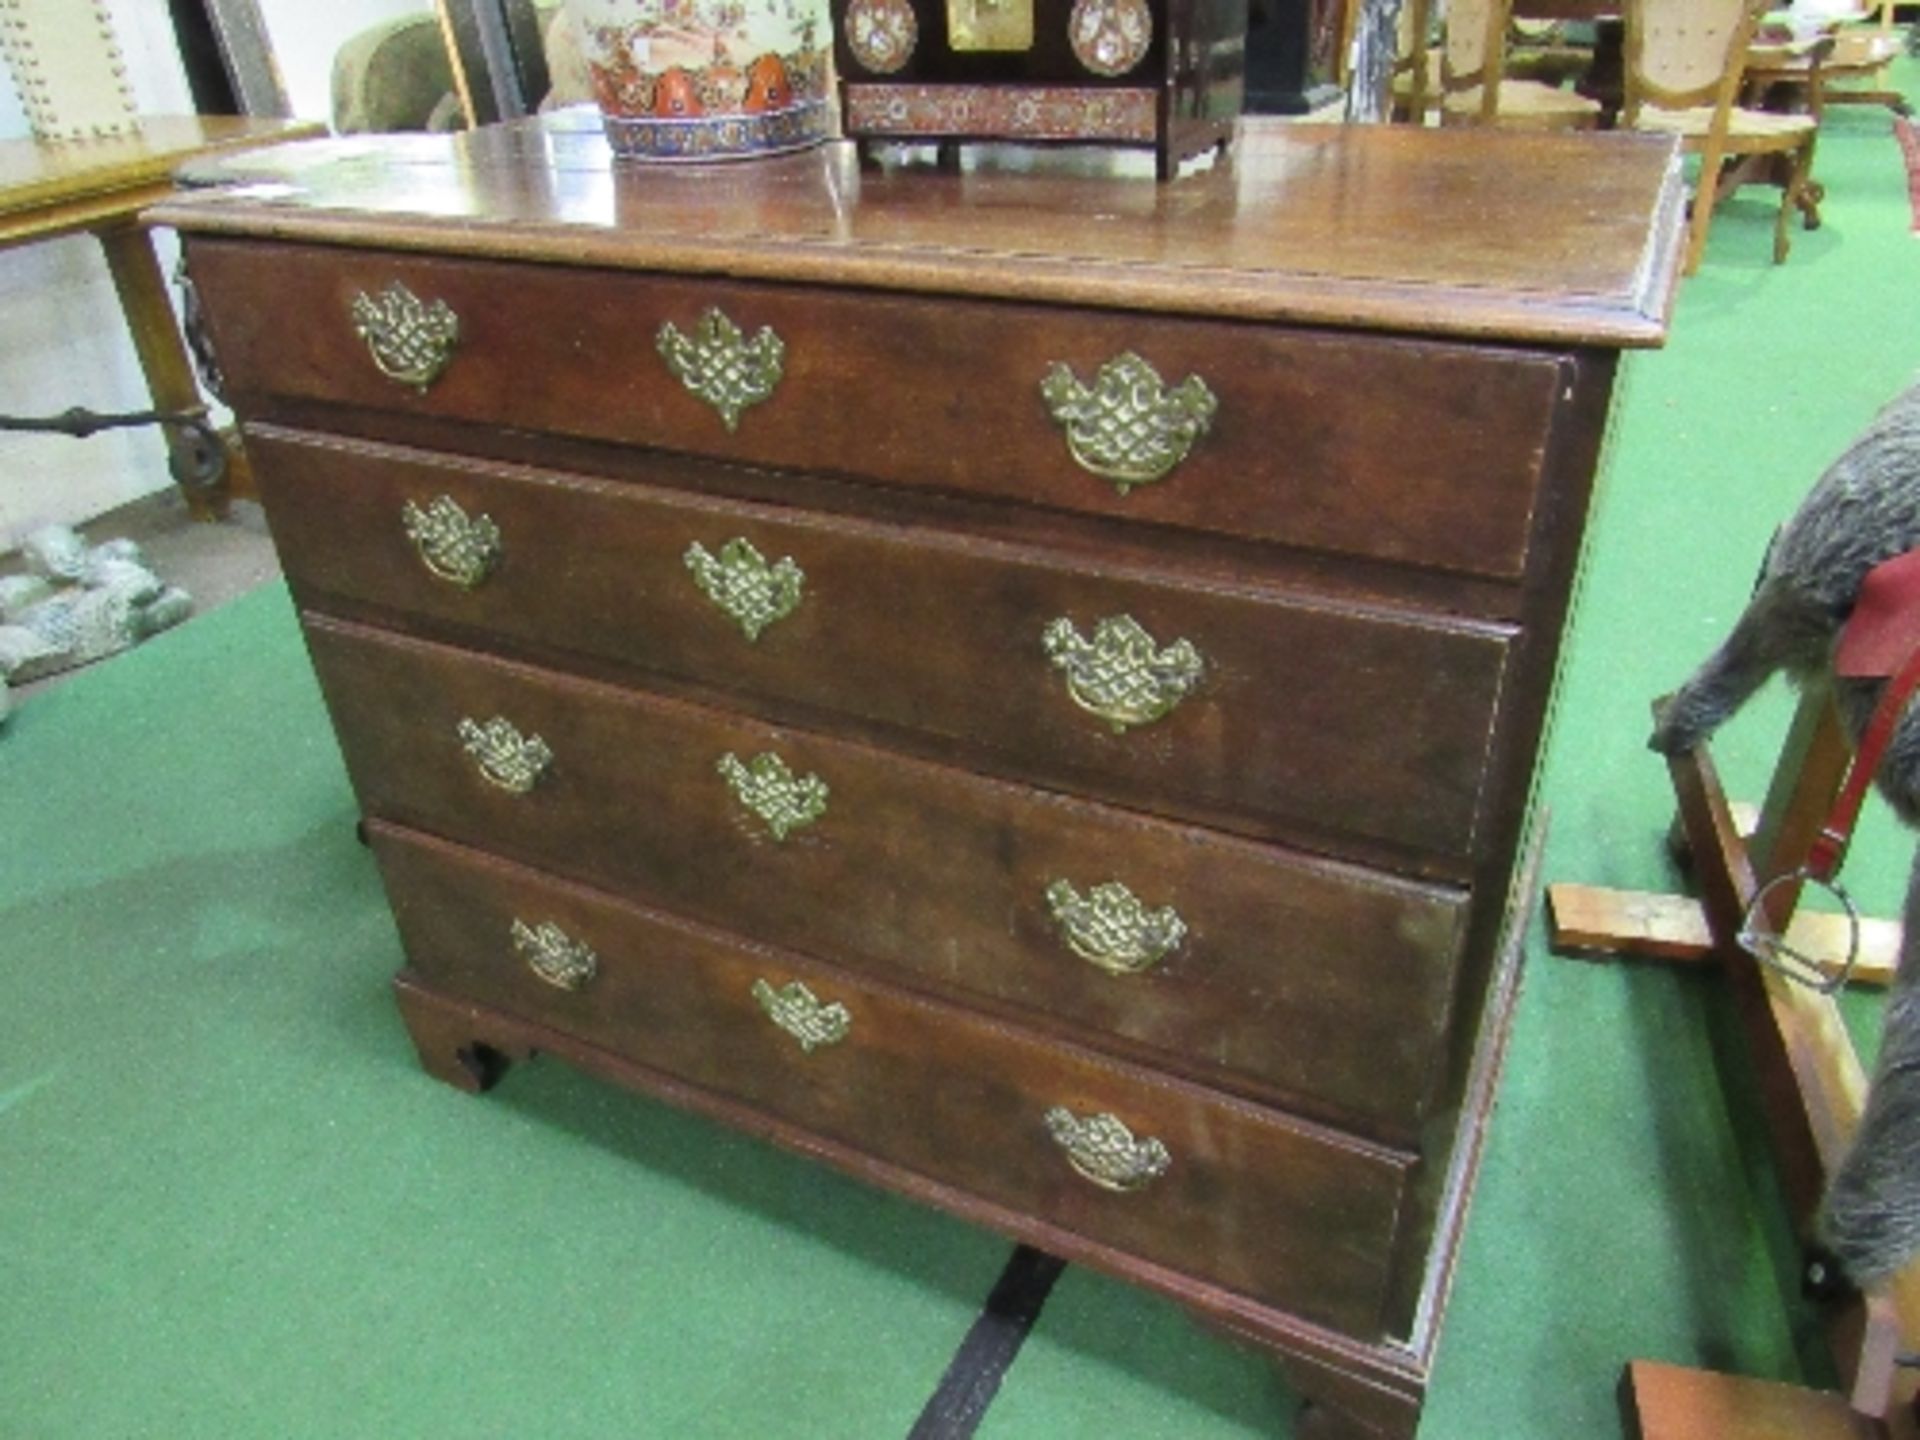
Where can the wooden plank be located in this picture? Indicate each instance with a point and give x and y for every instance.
(1813, 767)
(1669, 1402)
(1593, 922)
(1725, 878)
(247, 52)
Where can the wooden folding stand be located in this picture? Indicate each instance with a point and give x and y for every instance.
(1810, 1081)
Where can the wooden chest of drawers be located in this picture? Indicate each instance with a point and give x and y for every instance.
(1024, 687)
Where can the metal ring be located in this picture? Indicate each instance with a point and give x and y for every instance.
(1773, 951)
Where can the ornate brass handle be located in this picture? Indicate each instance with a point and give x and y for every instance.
(1102, 1149)
(721, 366)
(764, 784)
(1109, 927)
(555, 956)
(1121, 674)
(459, 549)
(798, 1011)
(741, 582)
(411, 341)
(1127, 426)
(506, 757)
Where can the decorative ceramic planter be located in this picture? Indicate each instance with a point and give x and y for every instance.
(707, 79)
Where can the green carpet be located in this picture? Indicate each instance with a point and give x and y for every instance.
(231, 1204)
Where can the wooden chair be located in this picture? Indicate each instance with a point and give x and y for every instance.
(1854, 53)
(1685, 63)
(1416, 66)
(1475, 90)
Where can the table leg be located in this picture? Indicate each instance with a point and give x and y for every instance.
(156, 339)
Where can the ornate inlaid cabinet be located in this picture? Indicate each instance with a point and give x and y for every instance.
(1164, 75)
(1021, 686)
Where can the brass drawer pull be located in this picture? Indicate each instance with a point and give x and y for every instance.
(410, 341)
(459, 549)
(722, 366)
(741, 582)
(1110, 928)
(798, 1011)
(766, 786)
(1121, 675)
(506, 757)
(1102, 1149)
(994, 25)
(555, 956)
(1128, 427)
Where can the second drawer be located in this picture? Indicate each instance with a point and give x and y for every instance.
(1323, 985)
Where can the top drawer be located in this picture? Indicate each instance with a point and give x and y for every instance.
(1404, 451)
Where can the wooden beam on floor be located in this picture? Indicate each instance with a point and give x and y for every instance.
(1594, 922)
(1668, 1402)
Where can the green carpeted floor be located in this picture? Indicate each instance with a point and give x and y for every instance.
(231, 1204)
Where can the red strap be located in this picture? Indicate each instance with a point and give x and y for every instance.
(1830, 846)
(1884, 627)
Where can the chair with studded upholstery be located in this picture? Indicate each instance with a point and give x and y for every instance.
(1475, 88)
(1685, 69)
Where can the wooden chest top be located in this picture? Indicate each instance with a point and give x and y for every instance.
(1519, 237)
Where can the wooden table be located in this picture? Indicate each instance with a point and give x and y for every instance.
(101, 186)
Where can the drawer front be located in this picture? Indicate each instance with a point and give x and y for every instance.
(1423, 453)
(1323, 986)
(1304, 719)
(1243, 1197)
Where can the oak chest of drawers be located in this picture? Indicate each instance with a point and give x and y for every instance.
(1022, 686)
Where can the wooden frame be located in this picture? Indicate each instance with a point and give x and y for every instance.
(247, 52)
(1811, 1087)
(496, 52)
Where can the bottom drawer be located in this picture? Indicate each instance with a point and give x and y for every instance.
(1291, 1214)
